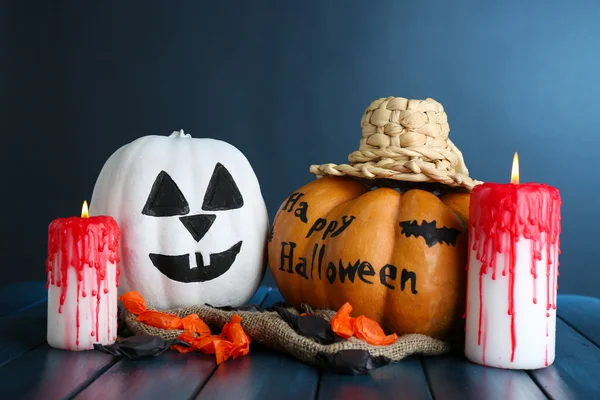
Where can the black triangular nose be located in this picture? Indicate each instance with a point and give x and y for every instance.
(198, 225)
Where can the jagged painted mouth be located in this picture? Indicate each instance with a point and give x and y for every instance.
(178, 268)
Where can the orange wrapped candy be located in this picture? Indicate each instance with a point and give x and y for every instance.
(193, 323)
(341, 323)
(160, 320)
(187, 337)
(362, 328)
(232, 342)
(221, 348)
(134, 302)
(371, 332)
(234, 332)
(206, 344)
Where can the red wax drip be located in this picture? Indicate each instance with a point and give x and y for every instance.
(485, 332)
(98, 307)
(480, 310)
(534, 270)
(467, 283)
(93, 241)
(501, 214)
(511, 299)
(77, 315)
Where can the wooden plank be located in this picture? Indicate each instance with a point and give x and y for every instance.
(29, 368)
(406, 377)
(262, 374)
(23, 331)
(582, 313)
(168, 376)
(20, 295)
(382, 383)
(47, 373)
(575, 373)
(453, 377)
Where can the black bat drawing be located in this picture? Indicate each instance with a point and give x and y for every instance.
(429, 232)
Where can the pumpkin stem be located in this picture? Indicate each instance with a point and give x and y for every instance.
(180, 134)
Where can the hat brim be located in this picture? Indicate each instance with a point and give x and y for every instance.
(371, 171)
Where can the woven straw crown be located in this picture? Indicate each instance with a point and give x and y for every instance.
(404, 140)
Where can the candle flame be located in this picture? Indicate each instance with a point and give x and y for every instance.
(514, 175)
(84, 209)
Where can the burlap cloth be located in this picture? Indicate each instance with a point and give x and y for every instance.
(268, 328)
(404, 140)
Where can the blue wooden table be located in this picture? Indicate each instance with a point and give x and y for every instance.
(29, 368)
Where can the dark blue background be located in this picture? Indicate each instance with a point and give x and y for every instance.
(286, 82)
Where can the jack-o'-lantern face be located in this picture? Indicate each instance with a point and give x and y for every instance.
(167, 200)
(193, 221)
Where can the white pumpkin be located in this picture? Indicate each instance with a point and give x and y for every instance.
(193, 220)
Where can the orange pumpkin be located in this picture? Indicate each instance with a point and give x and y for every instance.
(398, 258)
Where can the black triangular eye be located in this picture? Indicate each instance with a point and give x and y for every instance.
(222, 192)
(165, 198)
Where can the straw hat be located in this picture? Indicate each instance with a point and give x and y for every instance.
(404, 140)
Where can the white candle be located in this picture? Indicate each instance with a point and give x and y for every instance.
(512, 274)
(82, 267)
